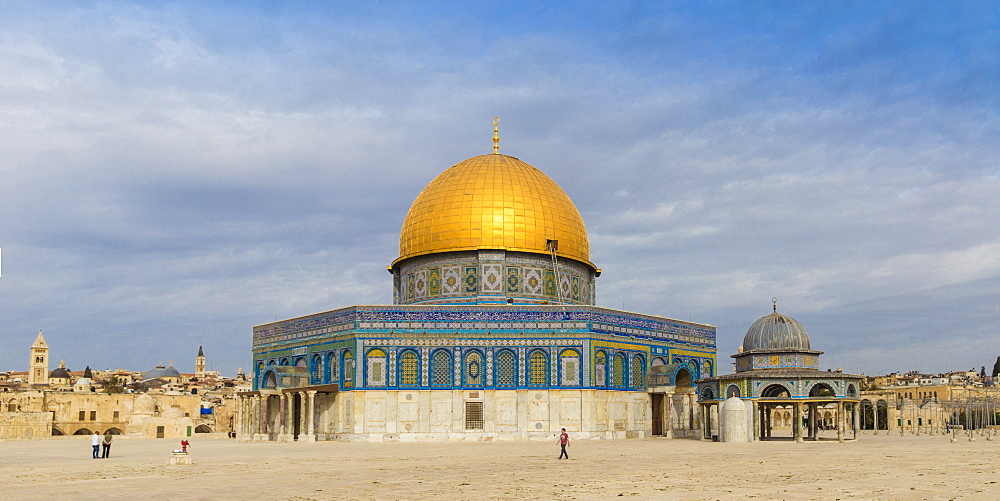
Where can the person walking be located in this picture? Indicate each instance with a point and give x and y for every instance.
(95, 441)
(563, 443)
(106, 451)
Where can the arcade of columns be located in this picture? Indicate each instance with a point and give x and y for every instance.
(285, 415)
(668, 420)
(767, 418)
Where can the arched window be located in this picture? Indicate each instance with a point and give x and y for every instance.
(506, 369)
(283, 362)
(330, 371)
(569, 368)
(538, 368)
(473, 368)
(301, 362)
(270, 381)
(376, 367)
(638, 376)
(409, 369)
(658, 361)
(347, 366)
(601, 369)
(618, 370)
(317, 369)
(441, 369)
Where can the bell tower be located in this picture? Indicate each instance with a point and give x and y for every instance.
(38, 368)
(199, 363)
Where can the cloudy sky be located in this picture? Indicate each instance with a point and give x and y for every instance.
(173, 174)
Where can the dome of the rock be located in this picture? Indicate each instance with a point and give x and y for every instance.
(493, 201)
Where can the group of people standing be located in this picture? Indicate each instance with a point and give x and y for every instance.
(96, 441)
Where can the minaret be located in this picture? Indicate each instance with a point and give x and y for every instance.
(199, 363)
(38, 368)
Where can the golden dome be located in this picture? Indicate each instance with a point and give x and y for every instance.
(493, 202)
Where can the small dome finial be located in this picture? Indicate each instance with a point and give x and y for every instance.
(774, 304)
(496, 135)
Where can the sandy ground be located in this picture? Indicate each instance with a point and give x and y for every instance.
(874, 467)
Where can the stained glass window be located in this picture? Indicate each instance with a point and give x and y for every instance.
(601, 369)
(348, 369)
(569, 366)
(317, 372)
(473, 369)
(408, 375)
(331, 368)
(638, 371)
(537, 368)
(441, 368)
(618, 370)
(506, 369)
(376, 367)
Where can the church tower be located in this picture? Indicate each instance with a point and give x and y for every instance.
(38, 368)
(199, 363)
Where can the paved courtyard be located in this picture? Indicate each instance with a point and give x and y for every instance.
(880, 467)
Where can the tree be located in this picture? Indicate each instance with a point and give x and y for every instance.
(996, 368)
(982, 371)
(88, 374)
(114, 385)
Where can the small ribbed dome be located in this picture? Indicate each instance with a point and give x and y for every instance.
(776, 332)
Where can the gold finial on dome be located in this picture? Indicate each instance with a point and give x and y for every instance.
(496, 135)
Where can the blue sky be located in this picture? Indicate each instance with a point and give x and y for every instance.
(173, 174)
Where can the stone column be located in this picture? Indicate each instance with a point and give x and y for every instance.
(876, 417)
(692, 410)
(756, 420)
(668, 416)
(289, 425)
(797, 422)
(282, 412)
(855, 421)
(241, 415)
(809, 421)
(841, 421)
(762, 422)
(264, 404)
(310, 417)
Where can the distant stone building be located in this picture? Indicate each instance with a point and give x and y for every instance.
(64, 404)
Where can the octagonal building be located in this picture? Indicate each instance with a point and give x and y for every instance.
(493, 334)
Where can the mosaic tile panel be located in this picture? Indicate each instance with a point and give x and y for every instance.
(533, 281)
(420, 289)
(471, 280)
(451, 281)
(513, 284)
(492, 278)
(434, 282)
(549, 283)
